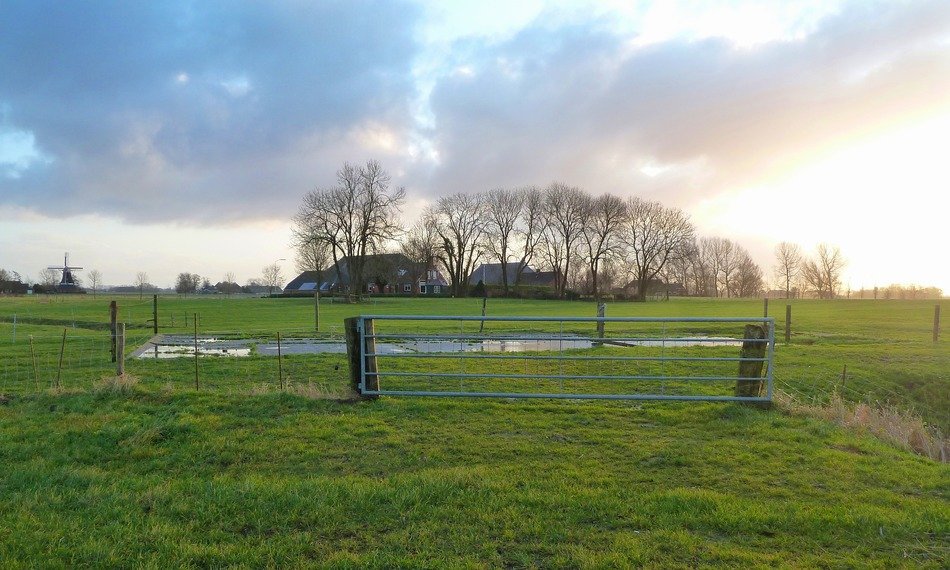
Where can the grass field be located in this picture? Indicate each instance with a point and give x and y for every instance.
(243, 474)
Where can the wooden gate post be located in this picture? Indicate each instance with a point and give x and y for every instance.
(750, 383)
(353, 356)
(601, 312)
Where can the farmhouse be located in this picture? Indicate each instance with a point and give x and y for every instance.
(490, 275)
(656, 287)
(386, 273)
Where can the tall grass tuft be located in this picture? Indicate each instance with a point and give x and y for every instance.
(311, 390)
(112, 385)
(889, 423)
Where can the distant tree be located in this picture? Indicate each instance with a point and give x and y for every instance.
(95, 281)
(823, 272)
(529, 231)
(5, 275)
(604, 218)
(229, 285)
(502, 211)
(352, 219)
(205, 285)
(420, 244)
(788, 265)
(563, 212)
(271, 277)
(141, 281)
(653, 235)
(49, 278)
(187, 283)
(460, 223)
(747, 278)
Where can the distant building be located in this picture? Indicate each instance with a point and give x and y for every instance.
(432, 282)
(384, 273)
(655, 287)
(490, 275)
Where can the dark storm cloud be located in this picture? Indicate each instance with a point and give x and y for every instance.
(170, 110)
(581, 105)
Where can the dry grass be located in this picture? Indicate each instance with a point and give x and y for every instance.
(115, 384)
(889, 423)
(311, 390)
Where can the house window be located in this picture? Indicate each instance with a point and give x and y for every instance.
(407, 288)
(436, 289)
(422, 289)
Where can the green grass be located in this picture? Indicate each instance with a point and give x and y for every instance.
(243, 474)
(153, 478)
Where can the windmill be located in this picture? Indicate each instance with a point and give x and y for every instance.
(67, 284)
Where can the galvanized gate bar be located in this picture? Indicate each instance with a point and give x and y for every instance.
(521, 356)
(368, 335)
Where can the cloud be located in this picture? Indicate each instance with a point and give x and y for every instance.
(211, 112)
(192, 110)
(680, 119)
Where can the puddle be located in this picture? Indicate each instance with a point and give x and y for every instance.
(171, 346)
(181, 347)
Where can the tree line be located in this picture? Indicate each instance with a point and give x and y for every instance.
(592, 244)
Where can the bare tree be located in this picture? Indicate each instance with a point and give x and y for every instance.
(230, 283)
(141, 280)
(823, 273)
(271, 277)
(187, 283)
(49, 278)
(529, 232)
(604, 218)
(352, 219)
(420, 244)
(563, 226)
(788, 265)
(460, 225)
(653, 234)
(502, 210)
(747, 277)
(95, 281)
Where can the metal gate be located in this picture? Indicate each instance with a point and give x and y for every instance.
(622, 358)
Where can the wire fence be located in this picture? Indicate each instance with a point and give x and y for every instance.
(38, 353)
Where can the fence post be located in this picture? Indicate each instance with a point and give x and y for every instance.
(484, 306)
(195, 321)
(154, 314)
(62, 350)
(120, 350)
(936, 322)
(750, 382)
(316, 309)
(36, 377)
(14, 328)
(280, 365)
(788, 323)
(765, 307)
(601, 312)
(113, 313)
(355, 354)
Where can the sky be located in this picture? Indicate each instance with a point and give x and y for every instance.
(178, 136)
